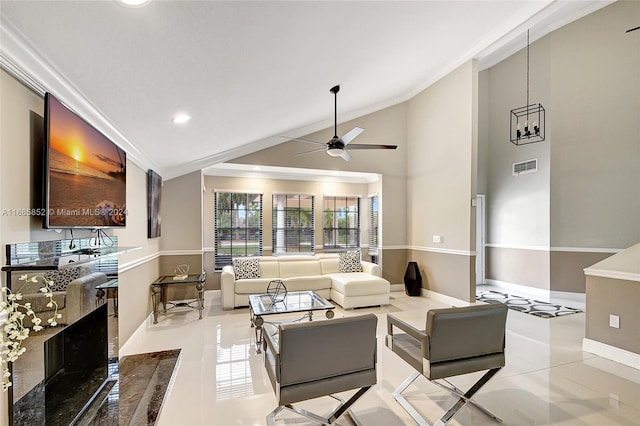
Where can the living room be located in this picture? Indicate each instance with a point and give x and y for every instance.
(542, 229)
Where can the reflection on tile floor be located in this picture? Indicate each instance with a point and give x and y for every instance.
(548, 379)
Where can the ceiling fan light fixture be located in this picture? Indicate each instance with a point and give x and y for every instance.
(134, 3)
(180, 118)
(334, 152)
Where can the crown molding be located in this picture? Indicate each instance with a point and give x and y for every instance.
(25, 63)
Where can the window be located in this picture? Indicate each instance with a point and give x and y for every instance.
(293, 224)
(238, 226)
(341, 222)
(373, 225)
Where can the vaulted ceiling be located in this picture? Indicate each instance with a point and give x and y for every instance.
(250, 71)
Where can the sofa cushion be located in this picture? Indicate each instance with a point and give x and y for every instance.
(330, 264)
(246, 267)
(62, 277)
(252, 286)
(269, 267)
(359, 284)
(299, 268)
(309, 283)
(349, 261)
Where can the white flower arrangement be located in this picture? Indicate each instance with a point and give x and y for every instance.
(14, 331)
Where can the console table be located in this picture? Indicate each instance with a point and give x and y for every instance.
(159, 293)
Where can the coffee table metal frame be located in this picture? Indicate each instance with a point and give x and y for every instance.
(159, 294)
(295, 301)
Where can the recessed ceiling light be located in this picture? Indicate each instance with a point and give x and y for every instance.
(181, 118)
(134, 3)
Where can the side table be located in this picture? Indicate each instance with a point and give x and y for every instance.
(111, 292)
(159, 293)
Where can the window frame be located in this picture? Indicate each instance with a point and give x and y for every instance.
(284, 236)
(335, 233)
(374, 224)
(248, 228)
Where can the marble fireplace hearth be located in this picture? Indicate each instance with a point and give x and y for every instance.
(137, 395)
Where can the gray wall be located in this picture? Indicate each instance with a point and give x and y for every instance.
(584, 202)
(441, 175)
(427, 183)
(18, 110)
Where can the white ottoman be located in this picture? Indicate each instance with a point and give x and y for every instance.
(359, 289)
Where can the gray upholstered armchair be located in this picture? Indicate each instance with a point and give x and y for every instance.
(306, 360)
(456, 341)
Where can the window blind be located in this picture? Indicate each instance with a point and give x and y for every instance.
(238, 226)
(341, 222)
(373, 225)
(293, 224)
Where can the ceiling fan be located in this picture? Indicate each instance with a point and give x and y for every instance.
(337, 146)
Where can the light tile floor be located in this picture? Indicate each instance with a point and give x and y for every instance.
(548, 379)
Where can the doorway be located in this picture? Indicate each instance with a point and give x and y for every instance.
(480, 238)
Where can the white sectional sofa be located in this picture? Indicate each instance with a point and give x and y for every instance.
(320, 273)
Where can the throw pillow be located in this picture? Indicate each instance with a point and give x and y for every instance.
(349, 261)
(62, 277)
(248, 267)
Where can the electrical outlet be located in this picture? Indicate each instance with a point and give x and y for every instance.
(438, 239)
(614, 400)
(614, 321)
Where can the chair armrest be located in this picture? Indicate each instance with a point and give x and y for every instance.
(419, 335)
(271, 350)
(404, 326)
(269, 343)
(227, 287)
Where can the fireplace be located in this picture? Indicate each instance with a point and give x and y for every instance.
(65, 368)
(75, 370)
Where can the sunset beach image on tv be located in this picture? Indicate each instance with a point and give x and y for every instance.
(85, 173)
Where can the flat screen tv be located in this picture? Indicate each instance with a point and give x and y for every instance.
(85, 172)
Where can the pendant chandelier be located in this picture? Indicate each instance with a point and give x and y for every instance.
(527, 123)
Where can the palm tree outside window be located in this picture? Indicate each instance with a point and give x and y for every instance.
(293, 224)
(238, 226)
(341, 222)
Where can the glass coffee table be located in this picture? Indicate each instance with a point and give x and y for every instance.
(294, 301)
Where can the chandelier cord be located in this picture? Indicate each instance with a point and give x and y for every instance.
(527, 104)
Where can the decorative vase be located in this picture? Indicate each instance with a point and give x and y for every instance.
(413, 280)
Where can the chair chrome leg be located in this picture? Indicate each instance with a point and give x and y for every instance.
(467, 397)
(462, 399)
(397, 394)
(271, 417)
(333, 416)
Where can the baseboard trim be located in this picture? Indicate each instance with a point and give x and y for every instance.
(613, 353)
(538, 293)
(443, 298)
(397, 287)
(124, 349)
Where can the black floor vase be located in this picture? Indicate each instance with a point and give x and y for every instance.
(413, 280)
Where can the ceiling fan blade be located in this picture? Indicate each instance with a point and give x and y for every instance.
(309, 152)
(367, 146)
(304, 140)
(345, 155)
(352, 134)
